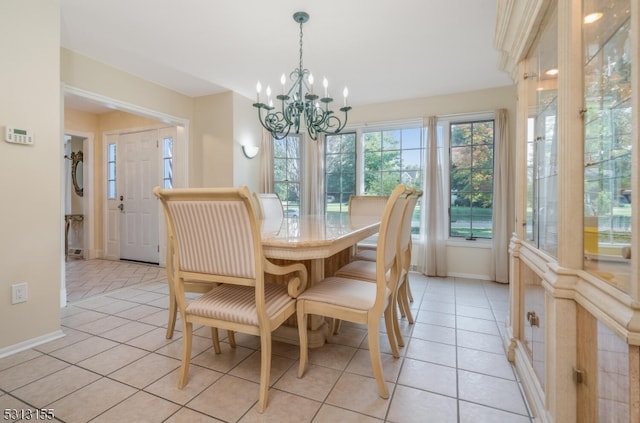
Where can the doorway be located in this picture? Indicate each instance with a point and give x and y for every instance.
(79, 104)
(136, 162)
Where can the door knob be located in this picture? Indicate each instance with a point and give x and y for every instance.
(121, 207)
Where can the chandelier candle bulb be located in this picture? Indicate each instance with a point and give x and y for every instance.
(345, 93)
(283, 80)
(325, 83)
(269, 94)
(311, 83)
(258, 90)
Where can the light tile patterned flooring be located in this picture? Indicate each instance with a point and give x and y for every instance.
(115, 365)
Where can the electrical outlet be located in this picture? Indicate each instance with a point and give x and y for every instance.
(19, 293)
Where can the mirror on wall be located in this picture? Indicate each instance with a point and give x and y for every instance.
(76, 173)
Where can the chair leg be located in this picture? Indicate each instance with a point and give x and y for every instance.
(302, 333)
(231, 336)
(265, 370)
(216, 340)
(186, 354)
(409, 294)
(403, 298)
(173, 313)
(376, 361)
(393, 328)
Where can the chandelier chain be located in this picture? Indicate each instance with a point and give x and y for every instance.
(301, 46)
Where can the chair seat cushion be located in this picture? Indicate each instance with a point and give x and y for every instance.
(237, 303)
(345, 292)
(366, 255)
(360, 269)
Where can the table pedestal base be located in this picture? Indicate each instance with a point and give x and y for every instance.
(289, 334)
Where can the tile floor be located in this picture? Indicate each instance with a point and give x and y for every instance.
(115, 365)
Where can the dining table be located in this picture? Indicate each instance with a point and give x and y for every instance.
(323, 243)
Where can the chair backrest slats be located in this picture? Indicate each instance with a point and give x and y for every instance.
(215, 237)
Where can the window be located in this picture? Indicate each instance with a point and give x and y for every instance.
(340, 172)
(286, 172)
(471, 178)
(111, 171)
(392, 157)
(167, 162)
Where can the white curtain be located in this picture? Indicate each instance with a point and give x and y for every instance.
(316, 175)
(266, 163)
(501, 152)
(433, 262)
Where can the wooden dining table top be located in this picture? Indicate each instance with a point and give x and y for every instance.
(314, 236)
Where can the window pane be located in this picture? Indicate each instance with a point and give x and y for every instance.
(460, 134)
(391, 140)
(111, 152)
(373, 141)
(412, 138)
(111, 171)
(111, 189)
(391, 160)
(167, 162)
(461, 157)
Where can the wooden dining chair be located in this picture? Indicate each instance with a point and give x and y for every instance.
(367, 205)
(215, 237)
(269, 205)
(366, 270)
(358, 302)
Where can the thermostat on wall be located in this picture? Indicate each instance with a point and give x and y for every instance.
(18, 136)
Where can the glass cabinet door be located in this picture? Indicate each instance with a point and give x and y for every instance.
(542, 156)
(607, 140)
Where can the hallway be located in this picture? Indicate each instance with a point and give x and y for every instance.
(114, 364)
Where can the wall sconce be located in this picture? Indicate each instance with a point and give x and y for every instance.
(250, 151)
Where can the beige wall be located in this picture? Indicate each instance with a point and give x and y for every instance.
(246, 132)
(468, 102)
(30, 176)
(211, 163)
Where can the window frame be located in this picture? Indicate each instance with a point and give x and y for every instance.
(447, 124)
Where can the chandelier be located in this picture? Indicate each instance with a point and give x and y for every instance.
(299, 105)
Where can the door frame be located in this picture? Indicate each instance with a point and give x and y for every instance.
(88, 238)
(180, 159)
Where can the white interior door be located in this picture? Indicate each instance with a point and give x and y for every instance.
(137, 173)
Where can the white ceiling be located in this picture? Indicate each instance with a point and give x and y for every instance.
(381, 49)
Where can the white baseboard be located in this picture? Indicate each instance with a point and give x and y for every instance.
(469, 276)
(30, 343)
